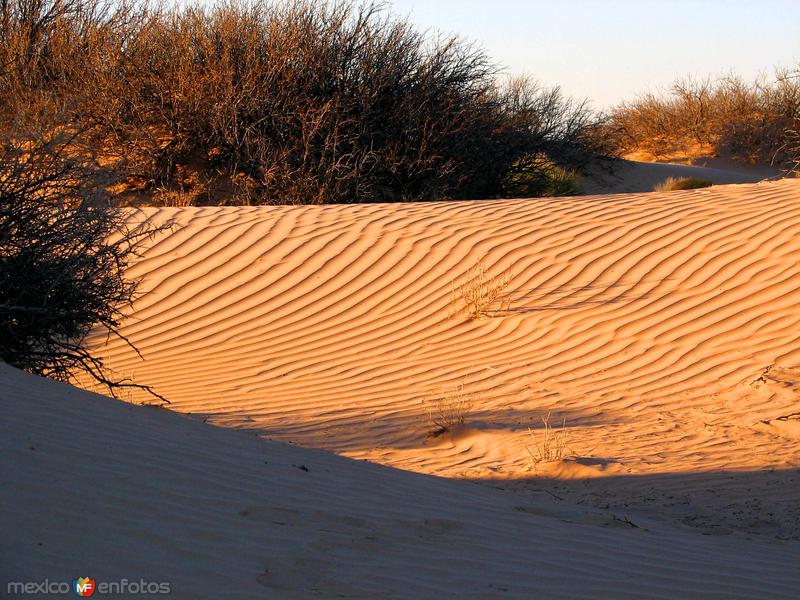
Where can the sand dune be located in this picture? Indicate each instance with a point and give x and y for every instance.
(95, 487)
(662, 328)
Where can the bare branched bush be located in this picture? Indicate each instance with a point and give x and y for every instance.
(550, 445)
(448, 408)
(63, 252)
(792, 148)
(285, 102)
(479, 291)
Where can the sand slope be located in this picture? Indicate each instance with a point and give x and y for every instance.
(643, 176)
(645, 321)
(95, 487)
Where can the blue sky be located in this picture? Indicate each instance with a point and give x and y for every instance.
(611, 50)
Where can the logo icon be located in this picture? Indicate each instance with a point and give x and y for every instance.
(83, 586)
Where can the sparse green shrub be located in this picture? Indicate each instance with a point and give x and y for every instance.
(547, 179)
(563, 182)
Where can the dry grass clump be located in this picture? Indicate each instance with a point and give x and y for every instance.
(479, 291)
(681, 183)
(550, 445)
(448, 409)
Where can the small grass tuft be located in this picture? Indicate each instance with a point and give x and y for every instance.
(479, 291)
(671, 184)
(448, 408)
(550, 445)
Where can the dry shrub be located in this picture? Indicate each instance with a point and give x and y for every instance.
(550, 445)
(479, 291)
(681, 183)
(731, 117)
(448, 408)
(286, 102)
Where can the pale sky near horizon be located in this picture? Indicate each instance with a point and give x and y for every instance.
(611, 50)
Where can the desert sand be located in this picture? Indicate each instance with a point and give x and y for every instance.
(95, 487)
(662, 329)
(643, 175)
